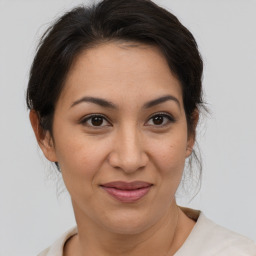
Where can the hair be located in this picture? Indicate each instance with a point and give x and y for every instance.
(140, 21)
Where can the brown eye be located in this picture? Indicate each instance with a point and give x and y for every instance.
(95, 121)
(158, 120)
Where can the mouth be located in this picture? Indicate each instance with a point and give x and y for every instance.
(127, 191)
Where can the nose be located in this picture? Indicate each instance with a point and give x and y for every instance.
(128, 152)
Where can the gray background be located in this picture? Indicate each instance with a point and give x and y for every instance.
(31, 214)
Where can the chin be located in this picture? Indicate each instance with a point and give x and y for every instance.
(129, 222)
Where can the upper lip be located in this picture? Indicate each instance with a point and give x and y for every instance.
(127, 185)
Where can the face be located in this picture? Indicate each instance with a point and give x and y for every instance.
(120, 137)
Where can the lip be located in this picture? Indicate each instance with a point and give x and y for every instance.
(127, 191)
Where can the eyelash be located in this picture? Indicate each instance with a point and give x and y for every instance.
(85, 120)
(170, 119)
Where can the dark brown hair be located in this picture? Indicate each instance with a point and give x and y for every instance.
(112, 20)
(139, 21)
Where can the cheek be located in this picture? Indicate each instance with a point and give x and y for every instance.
(79, 158)
(169, 155)
(169, 160)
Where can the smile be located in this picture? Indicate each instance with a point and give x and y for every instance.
(127, 192)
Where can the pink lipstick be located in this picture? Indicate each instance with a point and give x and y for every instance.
(127, 191)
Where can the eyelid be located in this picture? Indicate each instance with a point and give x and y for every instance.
(164, 114)
(167, 115)
(84, 120)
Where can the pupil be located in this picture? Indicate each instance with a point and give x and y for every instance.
(97, 121)
(158, 120)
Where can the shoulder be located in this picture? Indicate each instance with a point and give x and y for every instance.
(208, 238)
(56, 249)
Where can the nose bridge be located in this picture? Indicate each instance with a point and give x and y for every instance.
(130, 146)
(128, 152)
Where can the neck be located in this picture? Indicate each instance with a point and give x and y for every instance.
(165, 236)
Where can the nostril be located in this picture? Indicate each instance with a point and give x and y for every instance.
(127, 163)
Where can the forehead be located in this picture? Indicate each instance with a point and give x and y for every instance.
(123, 68)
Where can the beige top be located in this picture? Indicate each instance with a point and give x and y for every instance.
(205, 239)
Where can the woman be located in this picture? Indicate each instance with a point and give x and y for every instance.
(115, 95)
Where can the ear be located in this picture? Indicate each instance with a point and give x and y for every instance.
(192, 133)
(43, 137)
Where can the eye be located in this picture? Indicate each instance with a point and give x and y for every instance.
(160, 119)
(95, 121)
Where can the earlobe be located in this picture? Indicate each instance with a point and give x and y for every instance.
(189, 151)
(43, 137)
(190, 143)
(192, 133)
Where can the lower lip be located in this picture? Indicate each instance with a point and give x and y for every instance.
(127, 196)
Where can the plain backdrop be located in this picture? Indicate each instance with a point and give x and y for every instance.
(34, 212)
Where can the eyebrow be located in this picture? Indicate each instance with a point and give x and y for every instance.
(108, 104)
(98, 101)
(160, 100)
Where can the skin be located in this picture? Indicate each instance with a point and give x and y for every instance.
(127, 146)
